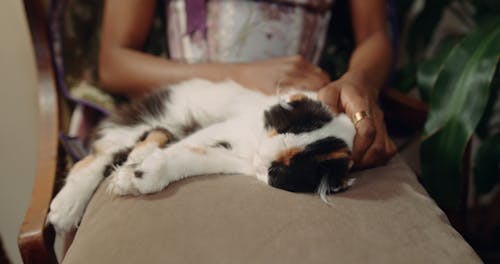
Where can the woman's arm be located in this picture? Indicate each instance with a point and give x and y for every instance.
(358, 89)
(371, 60)
(125, 68)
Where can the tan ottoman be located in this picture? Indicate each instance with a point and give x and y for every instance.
(386, 217)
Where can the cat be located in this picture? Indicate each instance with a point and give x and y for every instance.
(290, 141)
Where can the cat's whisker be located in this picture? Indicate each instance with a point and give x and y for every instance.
(324, 190)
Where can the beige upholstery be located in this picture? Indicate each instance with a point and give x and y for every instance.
(386, 217)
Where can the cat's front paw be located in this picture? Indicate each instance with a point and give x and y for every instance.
(66, 209)
(142, 178)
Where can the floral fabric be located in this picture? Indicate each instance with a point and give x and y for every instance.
(239, 30)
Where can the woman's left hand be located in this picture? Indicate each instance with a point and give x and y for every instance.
(372, 144)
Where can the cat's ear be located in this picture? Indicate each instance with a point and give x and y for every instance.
(302, 115)
(326, 147)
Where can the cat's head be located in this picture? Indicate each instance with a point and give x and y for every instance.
(307, 147)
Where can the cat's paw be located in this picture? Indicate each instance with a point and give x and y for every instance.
(122, 181)
(66, 209)
(141, 178)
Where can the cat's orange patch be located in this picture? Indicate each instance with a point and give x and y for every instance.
(98, 148)
(298, 97)
(156, 136)
(198, 150)
(286, 156)
(83, 163)
(337, 154)
(272, 133)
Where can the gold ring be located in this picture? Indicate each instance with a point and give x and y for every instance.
(357, 117)
(318, 70)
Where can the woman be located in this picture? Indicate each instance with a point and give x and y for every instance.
(124, 68)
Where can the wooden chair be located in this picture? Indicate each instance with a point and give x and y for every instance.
(36, 239)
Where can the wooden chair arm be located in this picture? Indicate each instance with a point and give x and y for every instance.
(403, 111)
(35, 238)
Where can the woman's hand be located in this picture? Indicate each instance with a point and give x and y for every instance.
(287, 72)
(350, 94)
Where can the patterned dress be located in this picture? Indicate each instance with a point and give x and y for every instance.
(242, 30)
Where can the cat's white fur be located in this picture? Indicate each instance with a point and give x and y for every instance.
(225, 111)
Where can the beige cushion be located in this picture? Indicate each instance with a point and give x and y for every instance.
(386, 217)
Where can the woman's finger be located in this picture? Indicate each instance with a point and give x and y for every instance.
(390, 147)
(364, 138)
(375, 154)
(382, 148)
(366, 129)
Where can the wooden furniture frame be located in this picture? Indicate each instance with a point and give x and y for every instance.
(36, 238)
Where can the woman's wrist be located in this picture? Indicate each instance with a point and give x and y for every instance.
(360, 80)
(215, 72)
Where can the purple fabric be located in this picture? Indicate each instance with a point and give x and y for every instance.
(196, 17)
(73, 146)
(56, 26)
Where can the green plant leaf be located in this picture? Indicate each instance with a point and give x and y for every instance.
(440, 156)
(486, 126)
(487, 165)
(457, 103)
(428, 71)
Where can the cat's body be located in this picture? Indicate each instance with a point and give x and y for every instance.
(199, 127)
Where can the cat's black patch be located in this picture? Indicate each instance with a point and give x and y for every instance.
(143, 136)
(138, 174)
(138, 111)
(323, 146)
(118, 159)
(222, 144)
(305, 169)
(190, 127)
(304, 116)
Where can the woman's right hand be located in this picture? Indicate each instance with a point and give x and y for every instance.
(287, 72)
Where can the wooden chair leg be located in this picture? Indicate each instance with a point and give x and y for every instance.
(3, 255)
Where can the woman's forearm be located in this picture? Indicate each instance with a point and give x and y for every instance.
(124, 68)
(133, 72)
(371, 61)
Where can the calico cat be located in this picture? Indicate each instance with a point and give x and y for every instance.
(292, 142)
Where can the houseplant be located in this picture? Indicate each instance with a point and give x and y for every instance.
(460, 83)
